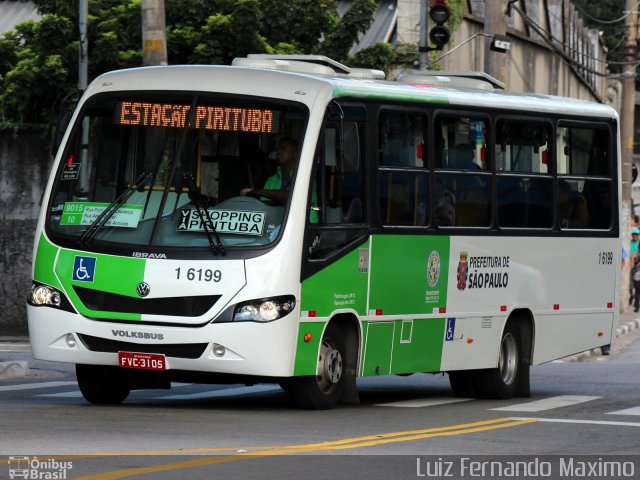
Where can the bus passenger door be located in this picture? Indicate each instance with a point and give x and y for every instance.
(336, 256)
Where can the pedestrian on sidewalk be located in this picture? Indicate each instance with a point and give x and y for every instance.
(635, 275)
(633, 251)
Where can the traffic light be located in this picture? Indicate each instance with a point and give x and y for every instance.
(439, 12)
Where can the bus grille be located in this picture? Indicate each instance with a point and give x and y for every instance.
(178, 306)
(189, 350)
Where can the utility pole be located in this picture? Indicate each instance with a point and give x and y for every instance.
(424, 32)
(495, 63)
(83, 14)
(154, 34)
(627, 119)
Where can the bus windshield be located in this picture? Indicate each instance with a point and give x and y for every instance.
(177, 170)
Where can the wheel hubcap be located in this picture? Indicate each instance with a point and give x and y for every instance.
(508, 362)
(330, 366)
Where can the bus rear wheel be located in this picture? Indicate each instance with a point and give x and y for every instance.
(323, 390)
(502, 382)
(102, 384)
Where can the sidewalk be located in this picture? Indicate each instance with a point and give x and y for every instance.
(16, 361)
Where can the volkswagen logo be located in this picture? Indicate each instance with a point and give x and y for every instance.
(143, 289)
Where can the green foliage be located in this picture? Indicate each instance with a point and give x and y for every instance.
(385, 57)
(39, 60)
(299, 23)
(353, 23)
(381, 55)
(35, 63)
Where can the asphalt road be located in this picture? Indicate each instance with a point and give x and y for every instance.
(583, 409)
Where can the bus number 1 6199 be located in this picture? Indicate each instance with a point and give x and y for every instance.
(605, 258)
(198, 274)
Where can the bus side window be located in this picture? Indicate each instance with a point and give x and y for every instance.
(403, 181)
(523, 182)
(583, 164)
(463, 187)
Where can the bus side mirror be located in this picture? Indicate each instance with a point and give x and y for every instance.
(66, 109)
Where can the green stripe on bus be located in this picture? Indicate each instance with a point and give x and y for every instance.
(404, 93)
(402, 346)
(409, 274)
(342, 285)
(44, 261)
(117, 275)
(307, 352)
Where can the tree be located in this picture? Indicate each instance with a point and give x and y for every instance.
(39, 60)
(345, 34)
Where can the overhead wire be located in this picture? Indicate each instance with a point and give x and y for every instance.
(544, 34)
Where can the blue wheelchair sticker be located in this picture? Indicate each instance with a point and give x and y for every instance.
(84, 269)
(451, 327)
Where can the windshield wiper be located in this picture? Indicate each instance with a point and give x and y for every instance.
(216, 246)
(102, 219)
(190, 121)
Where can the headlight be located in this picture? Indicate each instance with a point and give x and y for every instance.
(264, 310)
(45, 296)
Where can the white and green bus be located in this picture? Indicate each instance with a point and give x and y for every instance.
(429, 224)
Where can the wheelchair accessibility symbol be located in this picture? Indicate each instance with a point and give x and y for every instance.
(451, 328)
(84, 269)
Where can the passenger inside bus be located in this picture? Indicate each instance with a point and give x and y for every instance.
(470, 190)
(278, 184)
(572, 207)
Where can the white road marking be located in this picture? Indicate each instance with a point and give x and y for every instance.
(627, 411)
(33, 386)
(585, 422)
(227, 392)
(547, 403)
(422, 402)
(71, 394)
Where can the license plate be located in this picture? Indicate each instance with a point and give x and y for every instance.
(142, 361)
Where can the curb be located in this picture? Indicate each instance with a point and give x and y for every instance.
(14, 369)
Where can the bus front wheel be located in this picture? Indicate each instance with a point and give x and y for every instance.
(323, 390)
(102, 384)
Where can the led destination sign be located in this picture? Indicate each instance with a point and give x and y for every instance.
(233, 119)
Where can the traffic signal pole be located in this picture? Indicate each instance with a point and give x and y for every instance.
(495, 63)
(439, 12)
(424, 34)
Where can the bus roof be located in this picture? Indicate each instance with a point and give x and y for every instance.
(309, 87)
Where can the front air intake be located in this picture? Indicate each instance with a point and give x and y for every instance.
(174, 306)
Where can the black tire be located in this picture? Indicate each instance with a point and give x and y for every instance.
(462, 383)
(102, 384)
(502, 382)
(324, 390)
